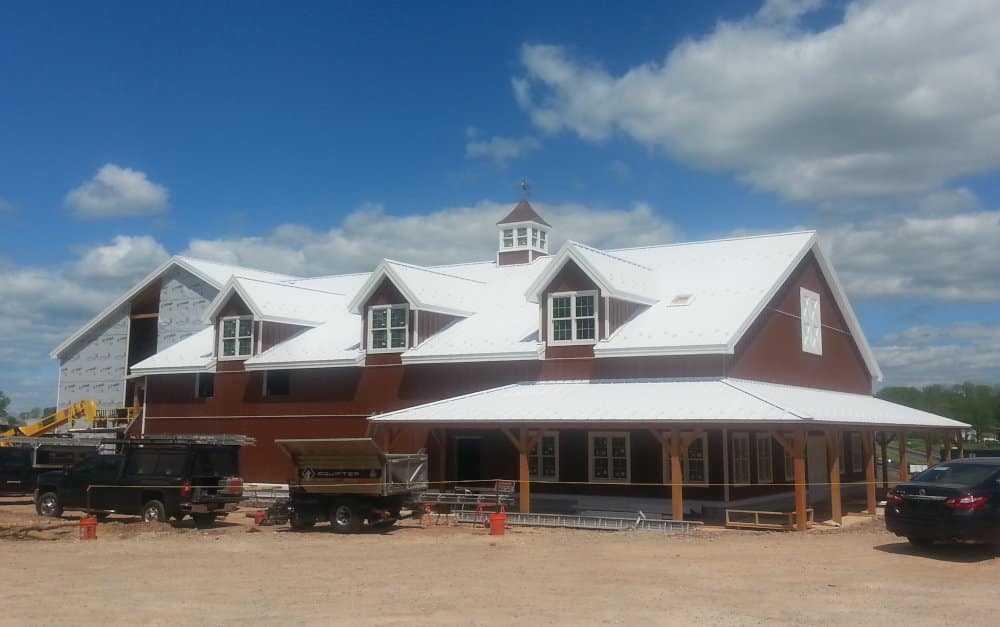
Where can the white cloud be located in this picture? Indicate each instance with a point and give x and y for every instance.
(126, 258)
(117, 192)
(898, 99)
(952, 353)
(952, 258)
(452, 235)
(502, 150)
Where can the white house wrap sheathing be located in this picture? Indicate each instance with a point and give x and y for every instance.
(724, 401)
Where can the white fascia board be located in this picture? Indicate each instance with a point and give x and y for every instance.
(840, 296)
(220, 300)
(473, 357)
(662, 351)
(771, 292)
(127, 296)
(382, 271)
(567, 253)
(304, 365)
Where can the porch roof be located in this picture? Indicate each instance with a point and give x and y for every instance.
(721, 401)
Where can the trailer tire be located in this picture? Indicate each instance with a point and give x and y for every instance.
(345, 517)
(48, 504)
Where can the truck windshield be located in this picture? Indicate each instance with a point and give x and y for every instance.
(961, 474)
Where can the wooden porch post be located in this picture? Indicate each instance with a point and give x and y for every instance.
(801, 522)
(928, 450)
(676, 477)
(868, 441)
(523, 443)
(946, 438)
(961, 444)
(904, 462)
(833, 466)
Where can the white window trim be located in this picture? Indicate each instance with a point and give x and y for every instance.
(857, 453)
(572, 308)
(237, 357)
(388, 329)
(789, 460)
(810, 324)
(538, 455)
(538, 239)
(686, 464)
(744, 436)
(765, 441)
(628, 455)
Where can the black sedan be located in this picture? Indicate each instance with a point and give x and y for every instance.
(956, 500)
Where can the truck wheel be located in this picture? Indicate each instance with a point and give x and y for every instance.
(48, 505)
(346, 518)
(300, 521)
(203, 521)
(154, 511)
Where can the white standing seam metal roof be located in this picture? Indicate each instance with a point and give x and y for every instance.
(722, 401)
(424, 288)
(617, 277)
(279, 302)
(332, 344)
(192, 354)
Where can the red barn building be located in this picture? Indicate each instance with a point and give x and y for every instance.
(676, 377)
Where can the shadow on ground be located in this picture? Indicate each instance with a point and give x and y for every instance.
(958, 552)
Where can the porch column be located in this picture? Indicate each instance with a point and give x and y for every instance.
(929, 450)
(961, 444)
(799, 452)
(904, 462)
(523, 442)
(676, 477)
(868, 442)
(946, 439)
(833, 466)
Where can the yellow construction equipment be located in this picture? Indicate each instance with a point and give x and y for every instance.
(85, 412)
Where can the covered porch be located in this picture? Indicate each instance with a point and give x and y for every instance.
(670, 448)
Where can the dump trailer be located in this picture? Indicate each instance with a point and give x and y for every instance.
(350, 482)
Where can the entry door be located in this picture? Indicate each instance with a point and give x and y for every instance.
(468, 451)
(816, 470)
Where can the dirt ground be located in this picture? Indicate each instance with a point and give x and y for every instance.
(237, 574)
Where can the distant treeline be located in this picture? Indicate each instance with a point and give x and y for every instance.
(978, 405)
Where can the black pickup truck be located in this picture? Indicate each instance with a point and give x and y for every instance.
(156, 479)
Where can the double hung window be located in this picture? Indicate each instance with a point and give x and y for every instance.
(741, 458)
(235, 337)
(610, 456)
(765, 472)
(694, 462)
(573, 318)
(543, 459)
(388, 327)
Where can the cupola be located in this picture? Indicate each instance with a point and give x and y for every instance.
(522, 236)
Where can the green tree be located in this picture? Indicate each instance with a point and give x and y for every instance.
(4, 403)
(978, 405)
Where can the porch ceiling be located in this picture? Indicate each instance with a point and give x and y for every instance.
(720, 401)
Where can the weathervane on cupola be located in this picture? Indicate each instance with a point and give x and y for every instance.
(523, 235)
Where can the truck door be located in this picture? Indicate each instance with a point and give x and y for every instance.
(105, 486)
(85, 485)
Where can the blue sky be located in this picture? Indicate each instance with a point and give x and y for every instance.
(315, 138)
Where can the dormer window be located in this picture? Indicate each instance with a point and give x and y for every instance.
(235, 337)
(573, 318)
(388, 328)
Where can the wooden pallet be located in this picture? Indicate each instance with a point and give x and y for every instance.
(756, 519)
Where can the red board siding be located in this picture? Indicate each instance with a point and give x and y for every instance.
(772, 348)
(430, 323)
(275, 333)
(513, 257)
(621, 311)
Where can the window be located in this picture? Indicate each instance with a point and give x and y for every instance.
(812, 327)
(741, 458)
(609, 456)
(789, 460)
(765, 473)
(169, 463)
(522, 236)
(857, 453)
(694, 462)
(542, 245)
(204, 385)
(235, 337)
(388, 327)
(534, 237)
(543, 459)
(508, 238)
(573, 318)
(277, 383)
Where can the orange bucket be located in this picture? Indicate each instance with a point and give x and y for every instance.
(497, 523)
(88, 529)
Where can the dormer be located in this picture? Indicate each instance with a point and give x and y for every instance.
(522, 236)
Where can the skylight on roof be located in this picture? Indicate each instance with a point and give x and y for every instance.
(681, 300)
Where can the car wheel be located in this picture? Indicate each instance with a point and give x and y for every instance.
(203, 521)
(299, 521)
(48, 505)
(345, 518)
(154, 511)
(920, 542)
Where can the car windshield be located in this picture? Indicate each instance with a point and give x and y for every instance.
(962, 474)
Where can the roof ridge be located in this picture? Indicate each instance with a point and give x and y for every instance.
(607, 254)
(287, 284)
(233, 265)
(326, 276)
(426, 269)
(715, 241)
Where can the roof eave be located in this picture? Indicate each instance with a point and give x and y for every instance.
(469, 357)
(662, 351)
(304, 365)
